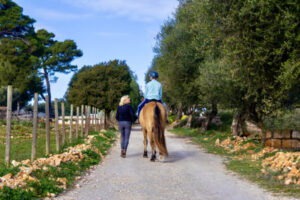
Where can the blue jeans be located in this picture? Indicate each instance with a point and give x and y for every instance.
(125, 129)
(141, 105)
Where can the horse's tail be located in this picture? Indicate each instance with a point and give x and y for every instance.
(158, 132)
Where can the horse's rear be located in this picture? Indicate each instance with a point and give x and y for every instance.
(153, 120)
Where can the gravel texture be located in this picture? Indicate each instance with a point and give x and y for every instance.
(187, 174)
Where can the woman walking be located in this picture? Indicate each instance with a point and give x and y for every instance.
(125, 116)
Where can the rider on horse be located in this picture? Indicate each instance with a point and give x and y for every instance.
(153, 91)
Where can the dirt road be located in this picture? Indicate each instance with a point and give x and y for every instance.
(188, 174)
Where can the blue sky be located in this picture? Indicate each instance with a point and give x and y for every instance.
(103, 30)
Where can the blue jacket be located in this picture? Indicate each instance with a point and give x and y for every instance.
(153, 90)
(125, 113)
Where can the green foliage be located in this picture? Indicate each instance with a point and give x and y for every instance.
(135, 93)
(100, 86)
(238, 54)
(4, 170)
(288, 120)
(47, 177)
(17, 60)
(15, 194)
(55, 56)
(13, 24)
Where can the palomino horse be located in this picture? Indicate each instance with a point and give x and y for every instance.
(153, 120)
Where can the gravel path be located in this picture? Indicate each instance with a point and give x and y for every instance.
(188, 173)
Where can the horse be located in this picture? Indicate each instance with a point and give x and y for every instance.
(153, 121)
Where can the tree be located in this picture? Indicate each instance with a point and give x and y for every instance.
(176, 61)
(100, 86)
(17, 63)
(18, 68)
(262, 47)
(55, 56)
(135, 92)
(13, 24)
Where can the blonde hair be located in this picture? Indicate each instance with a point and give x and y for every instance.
(122, 101)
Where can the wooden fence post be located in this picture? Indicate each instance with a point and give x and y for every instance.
(71, 124)
(77, 121)
(86, 120)
(34, 130)
(95, 119)
(82, 113)
(63, 123)
(89, 118)
(47, 126)
(56, 125)
(8, 124)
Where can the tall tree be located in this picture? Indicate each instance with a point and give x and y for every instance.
(55, 56)
(13, 24)
(135, 92)
(17, 44)
(100, 86)
(262, 47)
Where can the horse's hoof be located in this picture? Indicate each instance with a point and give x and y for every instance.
(153, 158)
(145, 154)
(162, 158)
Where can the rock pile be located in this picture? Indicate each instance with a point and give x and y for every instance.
(235, 144)
(73, 154)
(287, 164)
(264, 151)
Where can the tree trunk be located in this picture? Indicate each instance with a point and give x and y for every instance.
(18, 108)
(189, 122)
(209, 117)
(179, 114)
(263, 132)
(48, 91)
(237, 123)
(190, 117)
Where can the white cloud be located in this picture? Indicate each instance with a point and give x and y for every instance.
(142, 10)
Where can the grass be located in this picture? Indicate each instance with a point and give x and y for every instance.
(47, 179)
(21, 141)
(248, 169)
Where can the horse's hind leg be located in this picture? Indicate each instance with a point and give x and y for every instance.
(145, 143)
(153, 156)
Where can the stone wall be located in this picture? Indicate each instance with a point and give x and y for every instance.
(284, 139)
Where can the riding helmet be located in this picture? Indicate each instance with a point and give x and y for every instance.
(153, 74)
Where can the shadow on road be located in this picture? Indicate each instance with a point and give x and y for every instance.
(174, 156)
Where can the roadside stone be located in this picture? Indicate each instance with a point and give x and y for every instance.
(7, 176)
(269, 134)
(286, 144)
(296, 134)
(286, 134)
(277, 134)
(288, 181)
(276, 143)
(268, 142)
(15, 163)
(296, 144)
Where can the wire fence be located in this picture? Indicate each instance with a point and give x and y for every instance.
(32, 134)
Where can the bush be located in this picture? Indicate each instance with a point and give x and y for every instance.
(288, 120)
